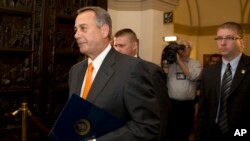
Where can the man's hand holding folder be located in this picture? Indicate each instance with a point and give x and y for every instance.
(80, 120)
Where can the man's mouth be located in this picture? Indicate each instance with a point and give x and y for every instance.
(81, 43)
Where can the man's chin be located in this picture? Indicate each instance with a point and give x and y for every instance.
(82, 49)
(224, 53)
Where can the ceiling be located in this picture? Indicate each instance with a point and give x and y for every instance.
(192, 12)
(138, 5)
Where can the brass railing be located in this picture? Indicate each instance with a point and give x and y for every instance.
(24, 109)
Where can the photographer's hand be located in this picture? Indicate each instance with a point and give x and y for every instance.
(165, 69)
(183, 65)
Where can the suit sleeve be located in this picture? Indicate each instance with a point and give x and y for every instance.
(201, 133)
(141, 106)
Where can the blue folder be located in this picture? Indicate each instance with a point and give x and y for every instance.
(81, 120)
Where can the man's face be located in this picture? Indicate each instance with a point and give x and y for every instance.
(88, 36)
(185, 53)
(125, 46)
(214, 60)
(228, 43)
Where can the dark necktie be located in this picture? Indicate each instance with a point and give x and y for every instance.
(225, 89)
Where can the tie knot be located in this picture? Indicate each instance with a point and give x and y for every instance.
(228, 66)
(90, 66)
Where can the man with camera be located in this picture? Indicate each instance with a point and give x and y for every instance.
(182, 73)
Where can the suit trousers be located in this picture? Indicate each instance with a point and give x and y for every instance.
(183, 118)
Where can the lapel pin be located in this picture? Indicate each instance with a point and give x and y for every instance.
(243, 71)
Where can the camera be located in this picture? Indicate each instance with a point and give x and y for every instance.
(169, 55)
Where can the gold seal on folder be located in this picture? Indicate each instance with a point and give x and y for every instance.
(82, 127)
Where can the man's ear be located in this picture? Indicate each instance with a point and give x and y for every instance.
(135, 45)
(242, 43)
(105, 30)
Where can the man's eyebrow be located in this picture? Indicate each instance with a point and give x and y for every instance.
(81, 25)
(119, 44)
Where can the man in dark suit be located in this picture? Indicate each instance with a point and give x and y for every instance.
(126, 42)
(219, 117)
(120, 84)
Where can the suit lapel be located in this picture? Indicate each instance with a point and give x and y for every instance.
(103, 76)
(240, 73)
(81, 75)
(218, 79)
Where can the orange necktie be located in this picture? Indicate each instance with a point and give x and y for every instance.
(88, 81)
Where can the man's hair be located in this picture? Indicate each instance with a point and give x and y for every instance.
(129, 32)
(102, 17)
(233, 26)
(187, 43)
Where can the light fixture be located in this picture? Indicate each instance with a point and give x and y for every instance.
(170, 38)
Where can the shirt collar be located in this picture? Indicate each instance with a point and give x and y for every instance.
(99, 59)
(234, 63)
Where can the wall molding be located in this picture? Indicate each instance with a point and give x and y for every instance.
(202, 31)
(141, 5)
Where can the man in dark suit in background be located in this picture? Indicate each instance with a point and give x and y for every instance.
(223, 117)
(214, 58)
(121, 85)
(126, 42)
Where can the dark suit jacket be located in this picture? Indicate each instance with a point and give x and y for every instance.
(161, 91)
(238, 101)
(124, 88)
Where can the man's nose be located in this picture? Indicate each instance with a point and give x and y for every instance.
(76, 34)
